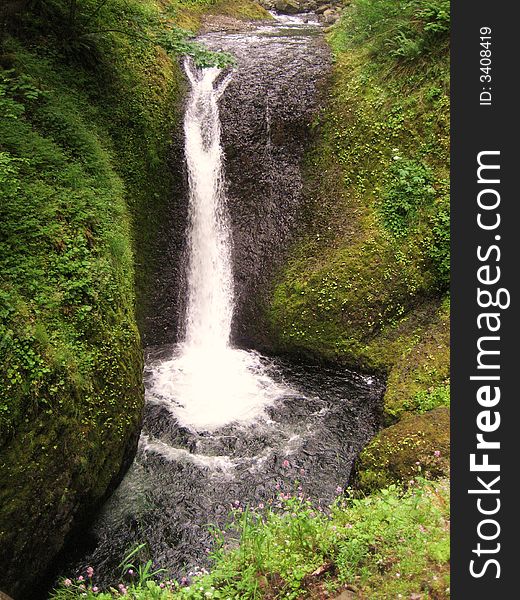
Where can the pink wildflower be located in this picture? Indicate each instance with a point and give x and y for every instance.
(339, 489)
(285, 464)
(67, 582)
(90, 572)
(437, 453)
(80, 578)
(95, 589)
(131, 572)
(261, 505)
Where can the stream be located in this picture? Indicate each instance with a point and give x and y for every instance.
(225, 426)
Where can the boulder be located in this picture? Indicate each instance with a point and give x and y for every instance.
(309, 6)
(329, 17)
(418, 445)
(322, 8)
(268, 4)
(288, 7)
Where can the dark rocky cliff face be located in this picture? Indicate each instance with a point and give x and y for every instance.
(266, 114)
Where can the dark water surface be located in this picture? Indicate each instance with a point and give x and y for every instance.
(182, 480)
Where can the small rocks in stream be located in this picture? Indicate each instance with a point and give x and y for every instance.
(328, 11)
(288, 7)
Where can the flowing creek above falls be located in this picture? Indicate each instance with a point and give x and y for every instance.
(225, 426)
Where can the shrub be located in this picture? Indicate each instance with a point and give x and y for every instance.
(409, 187)
(398, 30)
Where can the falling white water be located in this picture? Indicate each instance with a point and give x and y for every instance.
(207, 383)
(210, 279)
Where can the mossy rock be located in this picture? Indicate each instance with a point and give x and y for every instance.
(288, 7)
(419, 445)
(355, 290)
(419, 379)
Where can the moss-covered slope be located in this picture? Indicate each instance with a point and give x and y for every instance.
(367, 281)
(89, 94)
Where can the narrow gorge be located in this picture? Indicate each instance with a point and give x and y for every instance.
(224, 303)
(225, 426)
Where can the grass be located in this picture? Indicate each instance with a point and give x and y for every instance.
(390, 544)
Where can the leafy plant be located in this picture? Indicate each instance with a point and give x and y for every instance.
(143, 572)
(435, 16)
(409, 187)
(180, 42)
(429, 399)
(398, 30)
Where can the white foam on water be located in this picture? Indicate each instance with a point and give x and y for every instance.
(214, 463)
(207, 389)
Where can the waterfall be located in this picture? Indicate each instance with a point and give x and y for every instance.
(210, 280)
(219, 425)
(208, 383)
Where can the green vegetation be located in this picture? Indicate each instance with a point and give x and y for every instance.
(418, 445)
(89, 95)
(397, 32)
(383, 546)
(367, 281)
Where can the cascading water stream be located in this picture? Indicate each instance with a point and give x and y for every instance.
(210, 280)
(207, 383)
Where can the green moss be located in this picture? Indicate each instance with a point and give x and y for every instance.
(191, 15)
(245, 9)
(417, 446)
(419, 378)
(88, 101)
(366, 282)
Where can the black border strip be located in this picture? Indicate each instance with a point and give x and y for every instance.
(480, 128)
